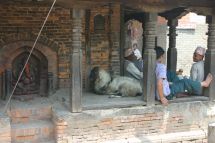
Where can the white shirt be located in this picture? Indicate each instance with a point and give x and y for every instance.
(197, 71)
(132, 71)
(161, 74)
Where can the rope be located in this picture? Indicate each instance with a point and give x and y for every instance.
(6, 106)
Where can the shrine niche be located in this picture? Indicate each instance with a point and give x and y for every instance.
(29, 81)
(34, 72)
(39, 77)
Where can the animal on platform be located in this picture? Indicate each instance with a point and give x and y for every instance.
(103, 83)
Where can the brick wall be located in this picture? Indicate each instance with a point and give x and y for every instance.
(105, 45)
(176, 123)
(27, 18)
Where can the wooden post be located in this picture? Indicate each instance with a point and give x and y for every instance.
(172, 51)
(114, 38)
(76, 61)
(211, 133)
(87, 48)
(150, 25)
(8, 83)
(122, 38)
(210, 57)
(50, 83)
(3, 86)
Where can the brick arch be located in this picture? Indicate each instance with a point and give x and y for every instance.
(11, 50)
(12, 38)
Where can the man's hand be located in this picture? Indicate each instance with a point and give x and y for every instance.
(164, 101)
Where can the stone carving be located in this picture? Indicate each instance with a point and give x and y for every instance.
(29, 81)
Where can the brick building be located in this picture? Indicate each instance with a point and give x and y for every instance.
(191, 27)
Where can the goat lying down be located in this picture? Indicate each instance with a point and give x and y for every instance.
(103, 83)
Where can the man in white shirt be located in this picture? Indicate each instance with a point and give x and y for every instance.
(133, 64)
(197, 69)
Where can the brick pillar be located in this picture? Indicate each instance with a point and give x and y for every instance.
(172, 51)
(210, 56)
(150, 25)
(76, 61)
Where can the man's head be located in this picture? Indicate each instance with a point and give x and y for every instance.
(159, 52)
(131, 54)
(198, 54)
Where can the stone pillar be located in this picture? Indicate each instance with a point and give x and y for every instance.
(210, 57)
(211, 133)
(172, 51)
(150, 24)
(76, 61)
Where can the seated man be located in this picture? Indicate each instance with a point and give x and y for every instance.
(197, 69)
(133, 64)
(164, 90)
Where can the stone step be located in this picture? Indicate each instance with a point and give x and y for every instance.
(195, 135)
(33, 131)
(25, 113)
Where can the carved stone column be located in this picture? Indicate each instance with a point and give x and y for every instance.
(76, 61)
(150, 25)
(172, 51)
(210, 57)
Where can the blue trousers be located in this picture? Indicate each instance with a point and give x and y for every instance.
(180, 86)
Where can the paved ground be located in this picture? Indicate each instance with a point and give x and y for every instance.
(89, 101)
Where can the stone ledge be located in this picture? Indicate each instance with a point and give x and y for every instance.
(165, 138)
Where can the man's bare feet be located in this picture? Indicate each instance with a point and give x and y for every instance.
(207, 81)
